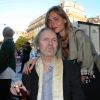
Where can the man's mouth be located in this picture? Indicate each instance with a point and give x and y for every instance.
(54, 28)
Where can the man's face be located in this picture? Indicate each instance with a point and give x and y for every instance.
(48, 43)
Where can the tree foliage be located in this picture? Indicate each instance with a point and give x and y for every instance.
(20, 42)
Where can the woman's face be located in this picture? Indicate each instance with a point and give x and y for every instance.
(56, 22)
(48, 43)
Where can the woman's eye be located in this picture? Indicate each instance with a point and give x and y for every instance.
(56, 19)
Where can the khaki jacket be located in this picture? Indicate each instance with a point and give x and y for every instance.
(97, 61)
(82, 49)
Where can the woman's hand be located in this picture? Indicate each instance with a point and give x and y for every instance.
(29, 66)
(83, 78)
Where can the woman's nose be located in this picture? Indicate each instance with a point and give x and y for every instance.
(52, 24)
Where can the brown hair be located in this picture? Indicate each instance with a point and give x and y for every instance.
(58, 10)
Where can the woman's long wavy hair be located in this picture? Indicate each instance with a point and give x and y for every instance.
(68, 25)
(59, 11)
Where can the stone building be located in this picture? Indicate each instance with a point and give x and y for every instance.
(95, 20)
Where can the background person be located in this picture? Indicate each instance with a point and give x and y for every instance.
(7, 63)
(25, 54)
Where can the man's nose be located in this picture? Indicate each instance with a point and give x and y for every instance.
(50, 42)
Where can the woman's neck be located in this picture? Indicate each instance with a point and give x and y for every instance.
(62, 33)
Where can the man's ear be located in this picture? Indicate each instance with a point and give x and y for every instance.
(37, 48)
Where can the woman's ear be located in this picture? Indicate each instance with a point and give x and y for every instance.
(65, 21)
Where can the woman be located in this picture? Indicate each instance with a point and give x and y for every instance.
(7, 63)
(53, 79)
(76, 45)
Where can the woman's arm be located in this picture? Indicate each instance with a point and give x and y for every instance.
(29, 66)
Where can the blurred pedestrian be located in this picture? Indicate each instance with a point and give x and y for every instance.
(7, 63)
(25, 54)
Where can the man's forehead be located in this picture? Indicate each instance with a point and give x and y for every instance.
(48, 33)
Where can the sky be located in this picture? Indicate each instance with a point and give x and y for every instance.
(19, 13)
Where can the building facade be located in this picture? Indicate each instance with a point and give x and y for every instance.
(95, 20)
